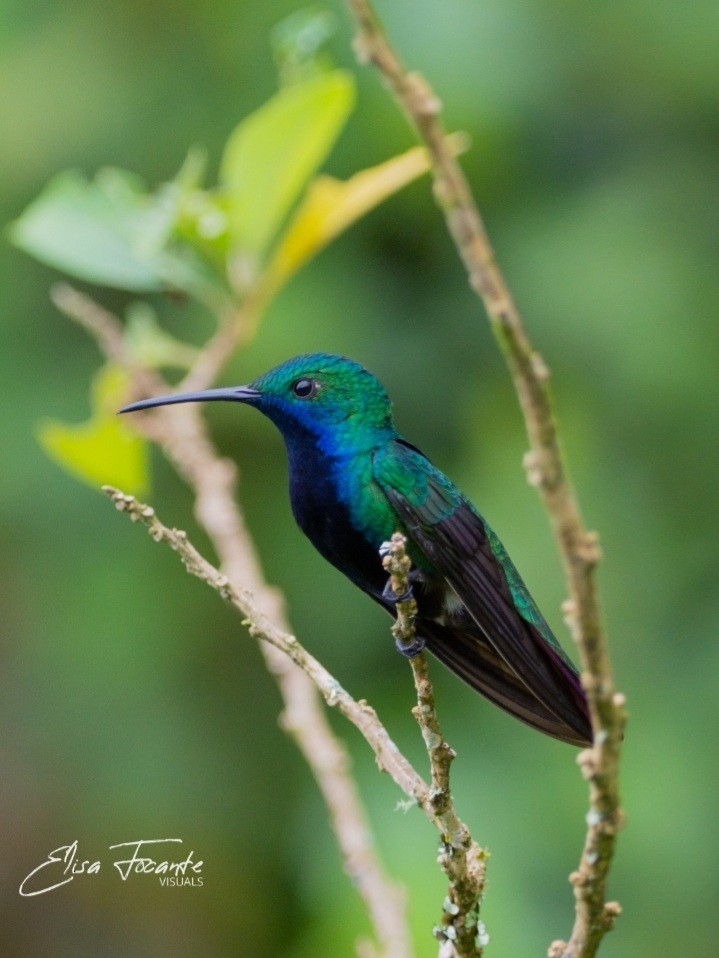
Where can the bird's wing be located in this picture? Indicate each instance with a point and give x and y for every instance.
(448, 532)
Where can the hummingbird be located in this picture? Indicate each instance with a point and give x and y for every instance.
(354, 481)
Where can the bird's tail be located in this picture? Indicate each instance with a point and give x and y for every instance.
(470, 656)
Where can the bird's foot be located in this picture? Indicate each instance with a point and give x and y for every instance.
(409, 650)
(390, 595)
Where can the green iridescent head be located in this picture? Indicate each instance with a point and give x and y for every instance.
(332, 398)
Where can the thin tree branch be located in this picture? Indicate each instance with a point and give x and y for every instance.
(260, 626)
(461, 858)
(231, 331)
(100, 324)
(184, 440)
(578, 547)
(234, 330)
(398, 564)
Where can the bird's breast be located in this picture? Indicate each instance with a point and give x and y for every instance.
(332, 503)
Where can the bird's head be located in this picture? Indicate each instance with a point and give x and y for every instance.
(334, 399)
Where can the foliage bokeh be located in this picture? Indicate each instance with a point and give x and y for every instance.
(132, 703)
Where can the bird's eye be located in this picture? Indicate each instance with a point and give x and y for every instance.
(305, 388)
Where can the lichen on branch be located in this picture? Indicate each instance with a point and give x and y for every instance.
(461, 858)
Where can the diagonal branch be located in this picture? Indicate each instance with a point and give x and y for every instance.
(578, 547)
(184, 440)
(462, 860)
(460, 857)
(260, 626)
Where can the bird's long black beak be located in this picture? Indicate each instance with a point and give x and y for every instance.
(227, 394)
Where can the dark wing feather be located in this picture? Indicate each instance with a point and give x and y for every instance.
(470, 656)
(452, 536)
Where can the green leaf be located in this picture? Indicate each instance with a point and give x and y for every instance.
(111, 232)
(298, 41)
(103, 450)
(273, 152)
(91, 230)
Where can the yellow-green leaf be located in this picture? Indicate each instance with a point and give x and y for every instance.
(104, 449)
(273, 152)
(330, 206)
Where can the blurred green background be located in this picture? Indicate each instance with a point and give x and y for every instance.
(132, 703)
